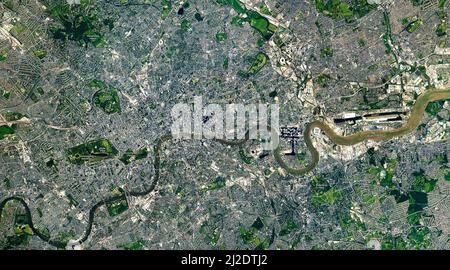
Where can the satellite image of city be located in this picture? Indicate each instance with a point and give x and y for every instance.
(224, 125)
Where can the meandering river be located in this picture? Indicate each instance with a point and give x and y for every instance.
(413, 122)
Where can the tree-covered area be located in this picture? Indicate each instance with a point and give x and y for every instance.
(347, 10)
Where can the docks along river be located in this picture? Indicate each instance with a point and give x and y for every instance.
(413, 122)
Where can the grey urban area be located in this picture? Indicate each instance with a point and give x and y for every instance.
(88, 161)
